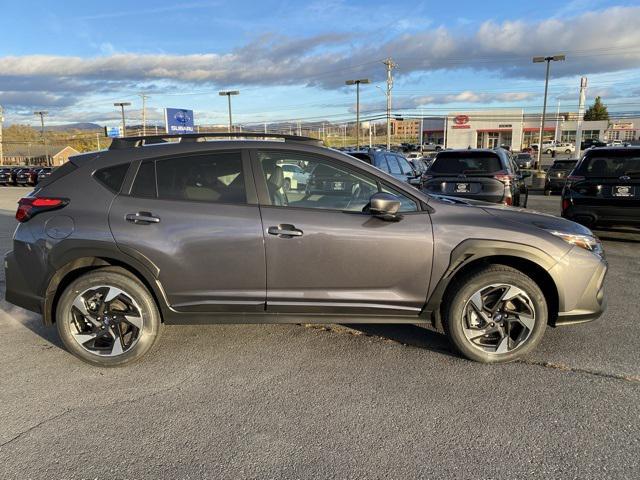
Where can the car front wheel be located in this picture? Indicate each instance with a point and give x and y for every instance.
(495, 314)
(108, 318)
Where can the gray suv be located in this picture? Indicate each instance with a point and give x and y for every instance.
(200, 229)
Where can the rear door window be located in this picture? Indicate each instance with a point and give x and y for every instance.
(212, 177)
(404, 166)
(394, 166)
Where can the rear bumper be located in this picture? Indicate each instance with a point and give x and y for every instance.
(18, 290)
(581, 275)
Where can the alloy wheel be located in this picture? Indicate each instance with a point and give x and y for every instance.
(105, 321)
(498, 318)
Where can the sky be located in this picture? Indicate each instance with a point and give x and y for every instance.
(290, 59)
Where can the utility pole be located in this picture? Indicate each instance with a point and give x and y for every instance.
(42, 113)
(548, 60)
(583, 97)
(1, 151)
(555, 136)
(122, 105)
(228, 93)
(357, 84)
(144, 113)
(390, 66)
(98, 140)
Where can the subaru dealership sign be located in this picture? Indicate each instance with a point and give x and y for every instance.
(178, 120)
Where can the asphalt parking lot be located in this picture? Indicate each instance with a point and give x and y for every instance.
(287, 401)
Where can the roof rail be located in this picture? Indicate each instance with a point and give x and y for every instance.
(120, 143)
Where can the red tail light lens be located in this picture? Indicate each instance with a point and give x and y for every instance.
(30, 206)
(565, 204)
(503, 177)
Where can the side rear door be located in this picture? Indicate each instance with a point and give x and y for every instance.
(195, 218)
(325, 255)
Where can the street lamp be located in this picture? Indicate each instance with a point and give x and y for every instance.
(554, 58)
(357, 84)
(122, 105)
(42, 113)
(228, 93)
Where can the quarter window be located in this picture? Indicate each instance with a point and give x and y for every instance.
(112, 177)
(145, 183)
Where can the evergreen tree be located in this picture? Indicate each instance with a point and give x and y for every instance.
(597, 111)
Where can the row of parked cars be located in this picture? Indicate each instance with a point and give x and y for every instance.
(23, 175)
(480, 174)
(601, 189)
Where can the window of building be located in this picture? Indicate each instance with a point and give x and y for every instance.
(214, 177)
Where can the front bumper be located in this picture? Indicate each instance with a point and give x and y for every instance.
(580, 277)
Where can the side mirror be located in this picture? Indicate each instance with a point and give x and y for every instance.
(384, 206)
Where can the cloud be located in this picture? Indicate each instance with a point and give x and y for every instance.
(468, 96)
(599, 41)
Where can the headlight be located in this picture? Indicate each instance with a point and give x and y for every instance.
(588, 242)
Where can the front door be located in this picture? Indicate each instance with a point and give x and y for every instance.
(324, 255)
(191, 218)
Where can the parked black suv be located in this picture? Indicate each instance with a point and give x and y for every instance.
(604, 188)
(115, 243)
(557, 175)
(488, 175)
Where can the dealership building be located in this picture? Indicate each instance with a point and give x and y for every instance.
(516, 129)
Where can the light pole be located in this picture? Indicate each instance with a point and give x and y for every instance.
(122, 105)
(555, 58)
(42, 113)
(357, 84)
(228, 93)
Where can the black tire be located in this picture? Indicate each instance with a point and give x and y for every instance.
(460, 294)
(547, 192)
(128, 283)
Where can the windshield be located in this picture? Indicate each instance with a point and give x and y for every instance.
(610, 166)
(466, 163)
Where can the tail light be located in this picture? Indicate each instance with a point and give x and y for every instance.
(508, 200)
(28, 207)
(566, 203)
(503, 177)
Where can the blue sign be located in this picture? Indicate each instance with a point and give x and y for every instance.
(113, 132)
(178, 120)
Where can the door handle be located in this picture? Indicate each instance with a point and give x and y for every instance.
(285, 231)
(141, 218)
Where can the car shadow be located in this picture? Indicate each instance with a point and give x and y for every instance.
(410, 335)
(31, 321)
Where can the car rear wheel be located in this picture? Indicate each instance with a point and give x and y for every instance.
(108, 318)
(495, 314)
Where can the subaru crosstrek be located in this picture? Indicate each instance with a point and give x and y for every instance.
(198, 229)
